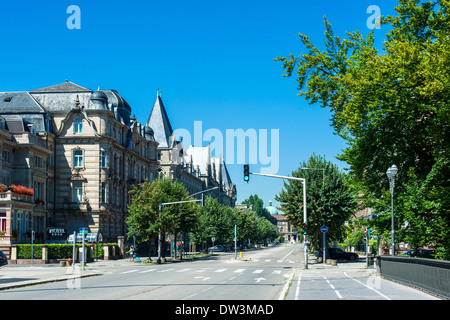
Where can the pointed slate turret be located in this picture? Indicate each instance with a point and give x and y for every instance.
(159, 122)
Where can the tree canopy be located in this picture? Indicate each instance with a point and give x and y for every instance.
(392, 107)
(144, 219)
(328, 199)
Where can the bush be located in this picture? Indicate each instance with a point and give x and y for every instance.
(24, 251)
(61, 251)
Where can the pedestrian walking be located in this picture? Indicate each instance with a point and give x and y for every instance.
(131, 252)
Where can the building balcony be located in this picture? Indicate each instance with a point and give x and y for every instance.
(79, 206)
(9, 196)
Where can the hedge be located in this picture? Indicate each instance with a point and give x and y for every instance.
(60, 251)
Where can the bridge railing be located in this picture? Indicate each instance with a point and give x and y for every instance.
(427, 274)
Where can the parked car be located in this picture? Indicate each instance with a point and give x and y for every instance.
(218, 248)
(419, 253)
(3, 259)
(336, 254)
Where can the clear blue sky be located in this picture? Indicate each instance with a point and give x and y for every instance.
(213, 61)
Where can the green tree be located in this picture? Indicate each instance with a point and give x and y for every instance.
(328, 200)
(391, 107)
(257, 205)
(144, 219)
(214, 220)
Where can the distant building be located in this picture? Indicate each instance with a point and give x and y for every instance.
(283, 225)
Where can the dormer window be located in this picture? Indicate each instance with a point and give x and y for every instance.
(78, 126)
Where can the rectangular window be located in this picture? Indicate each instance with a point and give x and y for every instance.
(38, 191)
(5, 155)
(78, 126)
(3, 221)
(104, 159)
(77, 192)
(78, 158)
(104, 190)
(38, 161)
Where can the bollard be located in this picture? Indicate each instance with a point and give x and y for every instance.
(241, 255)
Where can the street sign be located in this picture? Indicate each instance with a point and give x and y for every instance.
(324, 229)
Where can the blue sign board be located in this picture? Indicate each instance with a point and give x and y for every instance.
(324, 229)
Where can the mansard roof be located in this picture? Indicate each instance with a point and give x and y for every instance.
(19, 102)
(159, 122)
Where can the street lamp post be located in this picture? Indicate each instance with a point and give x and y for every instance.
(391, 173)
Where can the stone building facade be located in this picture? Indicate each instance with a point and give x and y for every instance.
(80, 151)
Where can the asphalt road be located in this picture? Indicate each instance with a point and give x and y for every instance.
(275, 273)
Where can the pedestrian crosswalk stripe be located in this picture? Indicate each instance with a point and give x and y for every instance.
(166, 270)
(149, 270)
(129, 271)
(276, 272)
(197, 270)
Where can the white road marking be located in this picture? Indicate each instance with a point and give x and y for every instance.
(276, 272)
(286, 287)
(286, 256)
(204, 290)
(258, 271)
(239, 270)
(149, 270)
(129, 271)
(384, 296)
(297, 290)
(192, 295)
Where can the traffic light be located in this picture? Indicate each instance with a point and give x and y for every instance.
(305, 228)
(246, 173)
